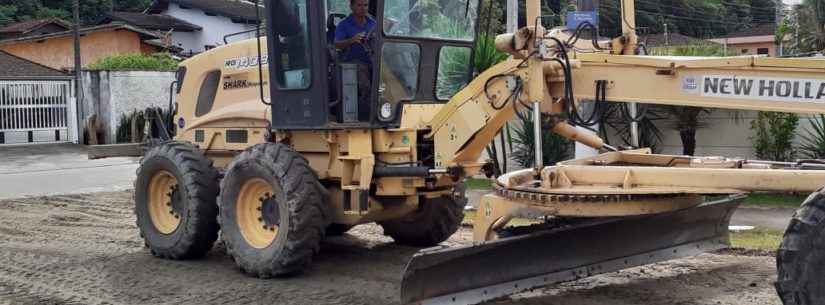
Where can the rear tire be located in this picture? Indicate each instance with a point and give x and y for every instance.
(800, 260)
(272, 211)
(435, 221)
(175, 194)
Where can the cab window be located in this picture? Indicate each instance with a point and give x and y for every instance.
(453, 20)
(292, 48)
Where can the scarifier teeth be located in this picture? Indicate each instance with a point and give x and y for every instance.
(568, 198)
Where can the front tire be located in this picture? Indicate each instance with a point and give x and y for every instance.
(435, 221)
(175, 194)
(800, 260)
(272, 211)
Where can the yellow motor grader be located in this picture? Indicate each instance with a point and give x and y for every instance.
(277, 144)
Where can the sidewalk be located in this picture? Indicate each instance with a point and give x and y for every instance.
(48, 169)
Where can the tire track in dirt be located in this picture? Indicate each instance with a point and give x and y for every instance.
(84, 249)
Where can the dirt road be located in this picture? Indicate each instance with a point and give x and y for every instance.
(84, 249)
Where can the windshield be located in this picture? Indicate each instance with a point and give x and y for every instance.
(438, 19)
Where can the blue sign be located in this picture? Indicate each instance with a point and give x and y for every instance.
(579, 17)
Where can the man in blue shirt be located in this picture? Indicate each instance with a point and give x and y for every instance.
(352, 37)
(352, 33)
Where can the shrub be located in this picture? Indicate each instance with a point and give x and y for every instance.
(555, 148)
(453, 65)
(774, 133)
(486, 54)
(136, 62)
(124, 126)
(812, 144)
(453, 71)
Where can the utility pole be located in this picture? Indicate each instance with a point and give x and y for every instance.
(779, 21)
(78, 73)
(512, 16)
(77, 66)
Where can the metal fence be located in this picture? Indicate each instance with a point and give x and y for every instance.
(37, 111)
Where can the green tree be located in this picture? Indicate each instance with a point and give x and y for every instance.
(810, 23)
(90, 10)
(131, 5)
(7, 13)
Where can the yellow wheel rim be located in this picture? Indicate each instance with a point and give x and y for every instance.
(257, 213)
(163, 192)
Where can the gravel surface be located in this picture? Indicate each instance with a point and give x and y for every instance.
(85, 249)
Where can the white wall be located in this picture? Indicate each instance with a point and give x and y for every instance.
(214, 29)
(724, 133)
(110, 94)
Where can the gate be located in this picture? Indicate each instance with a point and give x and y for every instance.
(37, 111)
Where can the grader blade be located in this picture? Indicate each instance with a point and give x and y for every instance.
(473, 274)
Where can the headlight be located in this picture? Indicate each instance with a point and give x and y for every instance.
(386, 111)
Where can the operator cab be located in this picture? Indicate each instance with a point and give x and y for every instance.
(421, 52)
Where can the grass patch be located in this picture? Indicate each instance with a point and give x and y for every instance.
(762, 239)
(775, 200)
(478, 184)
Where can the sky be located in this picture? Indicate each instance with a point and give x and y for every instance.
(792, 2)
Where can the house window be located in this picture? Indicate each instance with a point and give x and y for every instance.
(745, 51)
(763, 51)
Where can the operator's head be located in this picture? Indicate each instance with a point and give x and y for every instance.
(359, 7)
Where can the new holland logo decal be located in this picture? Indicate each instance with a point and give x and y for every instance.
(756, 88)
(245, 62)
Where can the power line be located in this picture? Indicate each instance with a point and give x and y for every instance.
(762, 9)
(684, 9)
(710, 20)
(747, 6)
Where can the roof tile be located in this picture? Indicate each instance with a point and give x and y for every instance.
(13, 66)
(153, 21)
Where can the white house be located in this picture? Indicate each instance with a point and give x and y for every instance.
(217, 18)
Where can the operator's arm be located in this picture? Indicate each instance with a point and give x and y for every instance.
(344, 42)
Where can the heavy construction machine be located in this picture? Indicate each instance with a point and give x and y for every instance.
(275, 147)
